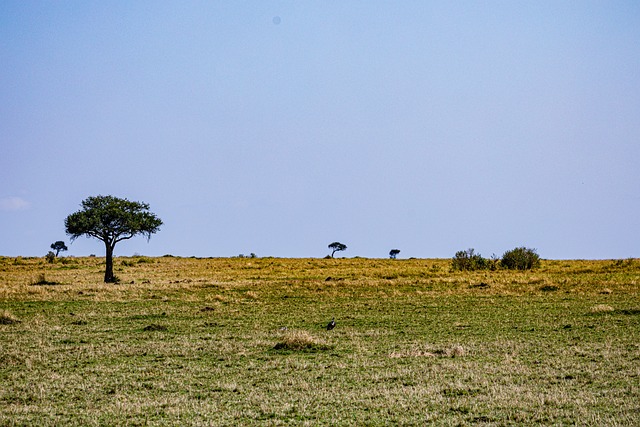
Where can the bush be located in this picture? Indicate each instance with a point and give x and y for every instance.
(469, 261)
(50, 257)
(520, 259)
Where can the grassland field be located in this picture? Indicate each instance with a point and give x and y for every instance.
(238, 341)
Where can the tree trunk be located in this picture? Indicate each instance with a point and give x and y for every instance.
(108, 272)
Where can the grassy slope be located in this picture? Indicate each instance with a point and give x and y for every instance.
(191, 341)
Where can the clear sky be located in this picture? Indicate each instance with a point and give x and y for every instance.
(278, 127)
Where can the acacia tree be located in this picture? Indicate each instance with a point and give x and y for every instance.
(393, 253)
(111, 220)
(337, 246)
(59, 246)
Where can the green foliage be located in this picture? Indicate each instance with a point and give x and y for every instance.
(520, 259)
(336, 247)
(252, 255)
(470, 261)
(50, 257)
(59, 246)
(111, 220)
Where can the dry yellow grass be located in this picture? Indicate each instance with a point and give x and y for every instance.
(456, 350)
(140, 276)
(182, 341)
(300, 340)
(7, 318)
(602, 308)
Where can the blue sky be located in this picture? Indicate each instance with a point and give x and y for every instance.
(278, 127)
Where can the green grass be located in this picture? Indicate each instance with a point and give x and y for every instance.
(243, 342)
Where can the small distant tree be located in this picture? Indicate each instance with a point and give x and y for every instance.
(111, 220)
(393, 253)
(336, 247)
(59, 246)
(520, 259)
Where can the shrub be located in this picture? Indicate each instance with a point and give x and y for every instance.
(469, 261)
(252, 255)
(300, 341)
(50, 257)
(520, 259)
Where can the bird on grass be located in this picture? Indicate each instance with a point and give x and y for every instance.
(331, 324)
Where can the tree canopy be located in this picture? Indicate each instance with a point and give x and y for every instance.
(337, 246)
(59, 246)
(111, 220)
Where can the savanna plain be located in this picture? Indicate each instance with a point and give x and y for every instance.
(243, 341)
